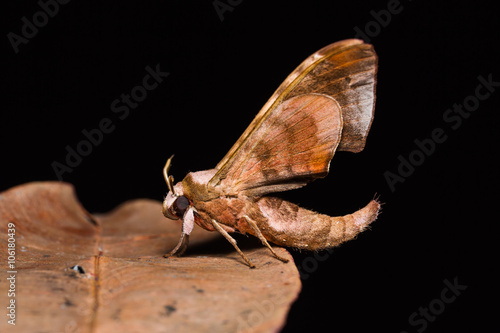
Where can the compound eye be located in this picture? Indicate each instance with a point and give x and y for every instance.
(180, 205)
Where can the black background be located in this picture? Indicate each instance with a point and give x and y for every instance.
(438, 224)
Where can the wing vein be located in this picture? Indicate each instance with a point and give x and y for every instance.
(345, 65)
(350, 88)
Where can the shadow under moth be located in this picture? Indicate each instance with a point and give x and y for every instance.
(325, 104)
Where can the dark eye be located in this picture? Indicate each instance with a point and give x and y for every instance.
(180, 205)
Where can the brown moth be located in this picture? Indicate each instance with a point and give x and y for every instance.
(326, 104)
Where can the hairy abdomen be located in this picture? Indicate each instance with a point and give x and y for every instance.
(287, 224)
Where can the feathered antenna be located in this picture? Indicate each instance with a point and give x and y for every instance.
(169, 179)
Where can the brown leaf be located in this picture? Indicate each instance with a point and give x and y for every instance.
(81, 273)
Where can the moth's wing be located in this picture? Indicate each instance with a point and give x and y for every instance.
(293, 144)
(344, 70)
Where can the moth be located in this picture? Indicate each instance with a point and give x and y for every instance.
(325, 104)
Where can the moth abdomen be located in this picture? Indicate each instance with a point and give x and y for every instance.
(287, 224)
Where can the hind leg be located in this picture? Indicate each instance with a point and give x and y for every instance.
(259, 234)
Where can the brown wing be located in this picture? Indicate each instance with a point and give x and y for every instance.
(294, 144)
(344, 70)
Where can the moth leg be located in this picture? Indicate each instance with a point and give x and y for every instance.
(180, 247)
(262, 238)
(187, 227)
(232, 241)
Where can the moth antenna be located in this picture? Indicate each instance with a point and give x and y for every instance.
(169, 179)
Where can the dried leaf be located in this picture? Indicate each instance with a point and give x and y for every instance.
(82, 273)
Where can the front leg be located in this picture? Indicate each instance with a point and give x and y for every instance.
(187, 227)
(180, 248)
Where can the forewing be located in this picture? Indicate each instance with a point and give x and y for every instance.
(292, 145)
(345, 70)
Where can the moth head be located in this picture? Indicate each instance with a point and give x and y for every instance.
(175, 203)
